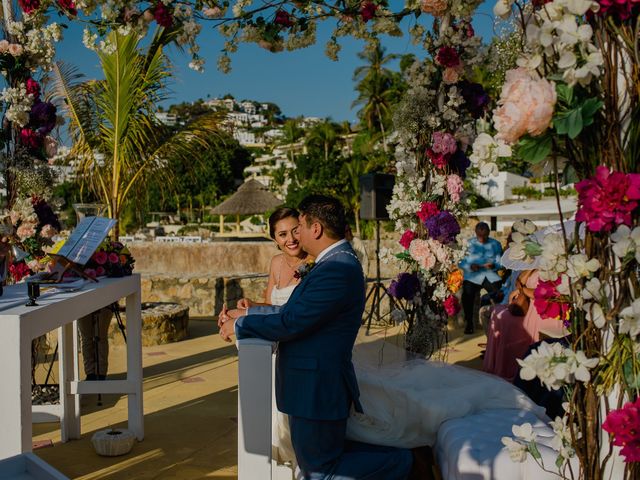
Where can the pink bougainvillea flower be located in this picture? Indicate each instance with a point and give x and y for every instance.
(407, 238)
(451, 305)
(619, 9)
(68, 6)
(30, 138)
(29, 6)
(448, 57)
(368, 11)
(607, 199)
(427, 210)
(624, 426)
(548, 301)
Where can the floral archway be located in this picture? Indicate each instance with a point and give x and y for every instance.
(572, 98)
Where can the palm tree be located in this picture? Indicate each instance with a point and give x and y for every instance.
(377, 90)
(116, 137)
(323, 136)
(292, 133)
(351, 172)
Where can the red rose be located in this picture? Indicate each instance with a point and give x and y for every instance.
(368, 11)
(407, 238)
(448, 57)
(451, 305)
(283, 18)
(114, 258)
(439, 160)
(162, 15)
(100, 258)
(33, 88)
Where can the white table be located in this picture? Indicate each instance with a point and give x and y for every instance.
(20, 325)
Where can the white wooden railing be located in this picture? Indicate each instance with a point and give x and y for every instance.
(255, 412)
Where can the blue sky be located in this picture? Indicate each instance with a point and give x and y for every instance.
(304, 82)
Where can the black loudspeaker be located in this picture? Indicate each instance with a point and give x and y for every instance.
(376, 190)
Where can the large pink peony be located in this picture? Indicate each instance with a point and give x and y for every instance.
(607, 199)
(421, 253)
(526, 106)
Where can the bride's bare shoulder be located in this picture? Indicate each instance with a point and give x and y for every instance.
(277, 259)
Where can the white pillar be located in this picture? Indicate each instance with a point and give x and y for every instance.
(255, 383)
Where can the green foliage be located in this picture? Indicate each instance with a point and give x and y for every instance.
(574, 113)
(533, 150)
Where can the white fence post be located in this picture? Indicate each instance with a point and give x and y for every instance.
(255, 383)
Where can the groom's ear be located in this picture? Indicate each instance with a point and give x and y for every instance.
(316, 230)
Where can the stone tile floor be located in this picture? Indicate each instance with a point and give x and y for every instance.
(190, 405)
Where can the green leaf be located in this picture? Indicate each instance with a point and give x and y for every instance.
(631, 373)
(534, 149)
(560, 461)
(575, 123)
(535, 453)
(589, 108)
(404, 256)
(569, 175)
(565, 93)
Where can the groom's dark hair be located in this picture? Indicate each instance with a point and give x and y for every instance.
(326, 210)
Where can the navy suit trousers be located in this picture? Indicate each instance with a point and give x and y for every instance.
(323, 453)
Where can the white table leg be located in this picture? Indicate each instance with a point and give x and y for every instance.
(68, 365)
(15, 400)
(134, 363)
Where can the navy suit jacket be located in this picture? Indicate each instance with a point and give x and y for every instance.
(317, 328)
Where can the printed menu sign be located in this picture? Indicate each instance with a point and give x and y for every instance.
(85, 239)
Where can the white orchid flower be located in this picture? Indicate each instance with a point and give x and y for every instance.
(517, 451)
(630, 319)
(595, 314)
(580, 266)
(524, 432)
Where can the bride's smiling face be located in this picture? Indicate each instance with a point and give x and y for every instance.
(287, 236)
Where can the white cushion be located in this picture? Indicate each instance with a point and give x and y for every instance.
(469, 447)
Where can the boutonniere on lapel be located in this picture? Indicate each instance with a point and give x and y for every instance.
(303, 270)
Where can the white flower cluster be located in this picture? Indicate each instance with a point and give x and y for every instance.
(557, 366)
(525, 442)
(630, 319)
(556, 31)
(486, 151)
(553, 260)
(626, 242)
(18, 104)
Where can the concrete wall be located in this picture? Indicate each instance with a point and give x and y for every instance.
(204, 276)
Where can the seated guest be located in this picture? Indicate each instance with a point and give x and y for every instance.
(507, 337)
(480, 271)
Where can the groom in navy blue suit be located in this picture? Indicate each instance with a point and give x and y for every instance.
(315, 380)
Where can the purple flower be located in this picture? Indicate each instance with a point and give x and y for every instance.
(475, 97)
(443, 227)
(45, 213)
(458, 163)
(42, 117)
(405, 286)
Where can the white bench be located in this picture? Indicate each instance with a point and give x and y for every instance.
(28, 466)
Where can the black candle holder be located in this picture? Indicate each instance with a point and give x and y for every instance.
(33, 290)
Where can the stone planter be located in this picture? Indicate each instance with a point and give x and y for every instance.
(161, 323)
(113, 442)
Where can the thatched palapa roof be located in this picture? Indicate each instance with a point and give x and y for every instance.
(251, 198)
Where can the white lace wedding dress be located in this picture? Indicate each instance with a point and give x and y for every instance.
(406, 401)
